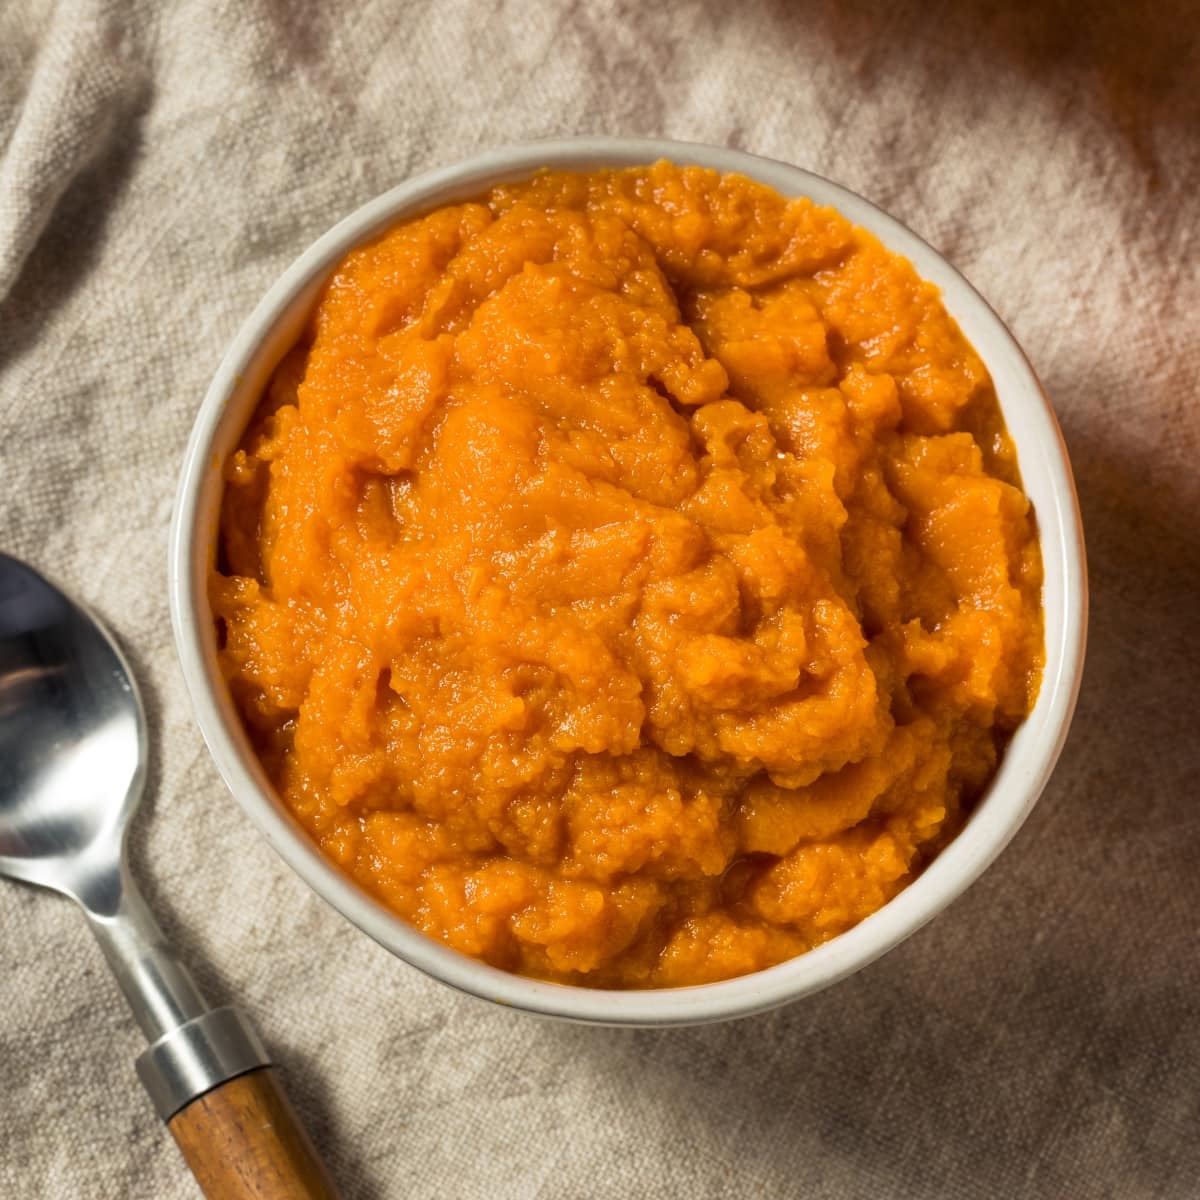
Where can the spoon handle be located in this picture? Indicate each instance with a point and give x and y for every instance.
(206, 1071)
(158, 987)
(243, 1139)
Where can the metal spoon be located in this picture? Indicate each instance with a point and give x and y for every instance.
(73, 746)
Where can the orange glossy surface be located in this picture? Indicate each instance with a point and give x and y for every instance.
(628, 579)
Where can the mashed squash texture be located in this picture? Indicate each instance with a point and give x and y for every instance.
(627, 578)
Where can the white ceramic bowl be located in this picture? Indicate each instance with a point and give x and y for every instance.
(274, 326)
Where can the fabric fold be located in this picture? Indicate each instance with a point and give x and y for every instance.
(84, 81)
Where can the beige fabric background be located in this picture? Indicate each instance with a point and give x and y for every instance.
(160, 163)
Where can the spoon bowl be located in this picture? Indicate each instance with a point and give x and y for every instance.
(72, 741)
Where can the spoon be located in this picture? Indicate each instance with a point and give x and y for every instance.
(73, 747)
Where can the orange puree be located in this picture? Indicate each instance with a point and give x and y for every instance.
(627, 578)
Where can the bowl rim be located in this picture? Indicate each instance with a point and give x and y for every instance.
(1000, 813)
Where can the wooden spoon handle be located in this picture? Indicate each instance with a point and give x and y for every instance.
(243, 1141)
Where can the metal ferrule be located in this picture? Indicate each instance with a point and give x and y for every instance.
(197, 1057)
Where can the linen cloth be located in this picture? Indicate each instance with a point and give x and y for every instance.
(161, 163)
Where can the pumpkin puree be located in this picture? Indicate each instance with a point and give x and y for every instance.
(627, 579)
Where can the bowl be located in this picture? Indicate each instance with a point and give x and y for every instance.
(1024, 769)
